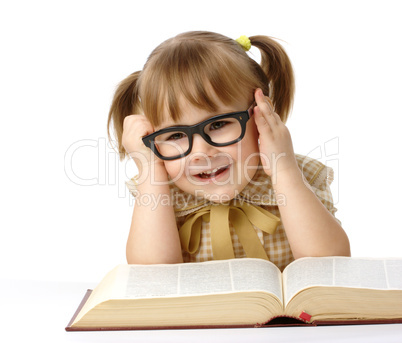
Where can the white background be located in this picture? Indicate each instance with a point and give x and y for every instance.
(60, 64)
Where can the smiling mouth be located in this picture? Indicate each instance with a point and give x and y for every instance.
(210, 174)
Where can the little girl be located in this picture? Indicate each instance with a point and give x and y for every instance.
(218, 178)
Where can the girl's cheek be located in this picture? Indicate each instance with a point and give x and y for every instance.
(175, 169)
(169, 169)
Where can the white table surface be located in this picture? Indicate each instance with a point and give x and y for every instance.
(39, 311)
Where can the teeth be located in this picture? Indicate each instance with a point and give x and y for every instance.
(211, 171)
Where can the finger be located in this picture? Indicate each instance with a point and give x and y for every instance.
(127, 122)
(265, 104)
(277, 118)
(137, 124)
(265, 108)
(262, 122)
(145, 126)
(131, 121)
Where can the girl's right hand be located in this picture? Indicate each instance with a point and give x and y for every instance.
(135, 127)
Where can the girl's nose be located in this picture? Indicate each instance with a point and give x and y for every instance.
(201, 148)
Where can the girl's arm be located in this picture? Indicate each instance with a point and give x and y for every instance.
(153, 236)
(311, 229)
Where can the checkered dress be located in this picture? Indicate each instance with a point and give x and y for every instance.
(258, 192)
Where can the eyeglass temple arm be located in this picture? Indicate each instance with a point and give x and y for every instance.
(251, 109)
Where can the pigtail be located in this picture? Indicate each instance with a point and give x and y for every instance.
(125, 102)
(277, 67)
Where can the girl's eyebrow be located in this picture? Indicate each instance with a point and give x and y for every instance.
(212, 115)
(186, 125)
(181, 125)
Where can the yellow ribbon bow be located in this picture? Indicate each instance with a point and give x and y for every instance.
(242, 216)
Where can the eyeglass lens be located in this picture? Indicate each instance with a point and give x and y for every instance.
(221, 131)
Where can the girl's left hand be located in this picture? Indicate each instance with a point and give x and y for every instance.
(276, 149)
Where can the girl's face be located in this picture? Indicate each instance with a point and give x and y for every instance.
(215, 173)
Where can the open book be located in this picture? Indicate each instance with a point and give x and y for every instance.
(244, 292)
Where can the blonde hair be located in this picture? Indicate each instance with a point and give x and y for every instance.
(200, 67)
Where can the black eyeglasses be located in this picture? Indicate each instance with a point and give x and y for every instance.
(177, 141)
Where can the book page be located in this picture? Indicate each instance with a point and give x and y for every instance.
(256, 274)
(148, 281)
(236, 275)
(212, 277)
(367, 273)
(186, 279)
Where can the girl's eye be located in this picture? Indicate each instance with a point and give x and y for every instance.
(175, 136)
(218, 125)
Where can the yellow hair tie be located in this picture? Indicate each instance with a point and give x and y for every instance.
(245, 43)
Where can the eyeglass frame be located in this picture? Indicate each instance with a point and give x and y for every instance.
(190, 130)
